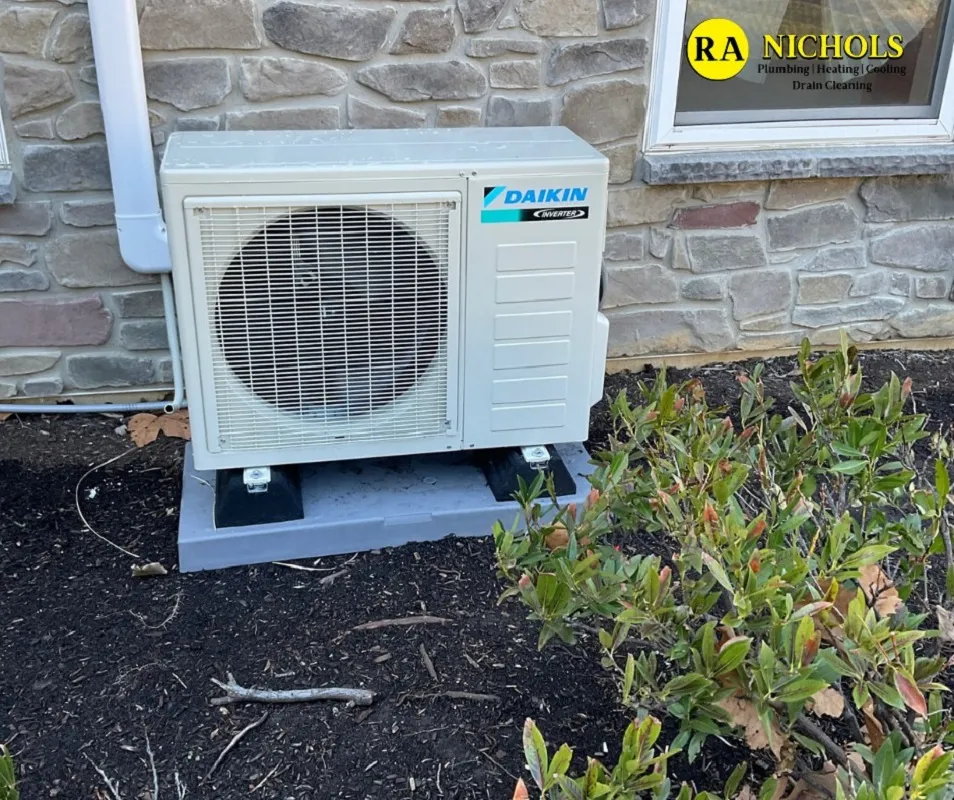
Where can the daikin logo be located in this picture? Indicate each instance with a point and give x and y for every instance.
(512, 197)
(516, 205)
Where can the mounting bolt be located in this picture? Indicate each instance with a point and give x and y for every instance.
(537, 456)
(256, 479)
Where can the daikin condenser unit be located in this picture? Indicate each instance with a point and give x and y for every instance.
(356, 294)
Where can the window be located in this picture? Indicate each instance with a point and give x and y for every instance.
(731, 73)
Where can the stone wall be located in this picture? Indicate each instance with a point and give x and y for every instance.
(705, 268)
(759, 266)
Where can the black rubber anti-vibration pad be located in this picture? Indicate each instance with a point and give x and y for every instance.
(235, 507)
(501, 468)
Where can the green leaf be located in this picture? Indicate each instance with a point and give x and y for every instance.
(735, 779)
(851, 467)
(685, 684)
(768, 789)
(718, 572)
(732, 654)
(560, 762)
(847, 451)
(629, 676)
(535, 751)
(810, 610)
(886, 693)
(800, 690)
(570, 788)
(942, 480)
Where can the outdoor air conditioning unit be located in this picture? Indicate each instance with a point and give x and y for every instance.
(358, 294)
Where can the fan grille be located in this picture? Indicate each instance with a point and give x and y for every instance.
(335, 316)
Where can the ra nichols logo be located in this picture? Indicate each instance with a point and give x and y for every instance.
(718, 49)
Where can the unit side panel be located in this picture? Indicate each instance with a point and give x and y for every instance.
(534, 255)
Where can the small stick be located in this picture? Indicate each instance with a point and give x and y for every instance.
(385, 623)
(808, 728)
(239, 694)
(480, 698)
(297, 566)
(180, 786)
(492, 760)
(152, 763)
(235, 740)
(113, 787)
(332, 577)
(264, 780)
(428, 664)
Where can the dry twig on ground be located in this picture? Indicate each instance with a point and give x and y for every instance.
(424, 619)
(235, 740)
(239, 694)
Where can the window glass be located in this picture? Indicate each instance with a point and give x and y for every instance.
(787, 60)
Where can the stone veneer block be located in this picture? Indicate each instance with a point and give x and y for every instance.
(66, 167)
(334, 31)
(927, 248)
(199, 25)
(909, 198)
(606, 111)
(27, 218)
(730, 215)
(45, 323)
(424, 80)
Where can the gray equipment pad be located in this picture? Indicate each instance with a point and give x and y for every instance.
(353, 506)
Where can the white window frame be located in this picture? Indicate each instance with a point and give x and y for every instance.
(663, 135)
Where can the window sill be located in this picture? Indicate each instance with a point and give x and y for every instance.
(8, 187)
(853, 161)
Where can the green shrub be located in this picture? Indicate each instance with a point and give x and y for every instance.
(797, 545)
(8, 780)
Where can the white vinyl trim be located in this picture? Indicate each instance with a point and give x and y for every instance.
(663, 135)
(4, 153)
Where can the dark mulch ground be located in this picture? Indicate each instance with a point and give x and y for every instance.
(93, 661)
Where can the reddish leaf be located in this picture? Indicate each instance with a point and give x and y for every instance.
(520, 792)
(911, 694)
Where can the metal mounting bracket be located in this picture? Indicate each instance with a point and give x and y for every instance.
(537, 456)
(256, 479)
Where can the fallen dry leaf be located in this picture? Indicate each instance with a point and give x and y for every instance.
(822, 785)
(144, 428)
(945, 623)
(149, 570)
(743, 714)
(5, 415)
(558, 538)
(878, 587)
(828, 703)
(873, 726)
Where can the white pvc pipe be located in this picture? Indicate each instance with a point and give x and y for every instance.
(122, 95)
(143, 242)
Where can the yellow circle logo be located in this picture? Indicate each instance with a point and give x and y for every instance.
(717, 49)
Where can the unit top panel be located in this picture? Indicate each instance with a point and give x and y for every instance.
(366, 150)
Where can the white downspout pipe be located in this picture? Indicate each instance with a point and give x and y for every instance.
(122, 95)
(142, 232)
